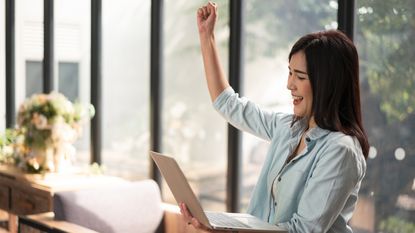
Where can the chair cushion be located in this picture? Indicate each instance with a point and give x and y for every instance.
(124, 208)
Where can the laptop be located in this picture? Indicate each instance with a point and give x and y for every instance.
(182, 192)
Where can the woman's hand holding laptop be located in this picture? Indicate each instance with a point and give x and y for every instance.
(193, 221)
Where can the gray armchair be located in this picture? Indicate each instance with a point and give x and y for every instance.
(130, 207)
(122, 208)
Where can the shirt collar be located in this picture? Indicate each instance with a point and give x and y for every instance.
(313, 134)
(316, 133)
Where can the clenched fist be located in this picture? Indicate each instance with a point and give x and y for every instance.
(206, 19)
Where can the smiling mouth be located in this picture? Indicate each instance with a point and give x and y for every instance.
(297, 99)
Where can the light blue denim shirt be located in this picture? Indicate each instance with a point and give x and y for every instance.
(317, 190)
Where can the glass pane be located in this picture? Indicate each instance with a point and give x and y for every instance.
(2, 70)
(193, 132)
(72, 61)
(29, 48)
(271, 28)
(126, 56)
(33, 77)
(384, 36)
(69, 80)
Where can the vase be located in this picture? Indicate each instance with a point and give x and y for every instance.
(56, 159)
(62, 157)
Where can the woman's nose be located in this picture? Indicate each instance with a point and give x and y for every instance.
(290, 84)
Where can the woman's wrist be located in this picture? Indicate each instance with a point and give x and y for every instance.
(206, 37)
(207, 42)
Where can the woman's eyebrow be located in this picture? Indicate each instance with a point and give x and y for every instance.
(298, 71)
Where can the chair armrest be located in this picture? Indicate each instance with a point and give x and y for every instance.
(45, 223)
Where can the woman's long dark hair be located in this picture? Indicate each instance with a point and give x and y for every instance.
(333, 70)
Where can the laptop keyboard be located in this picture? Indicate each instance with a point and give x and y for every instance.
(221, 219)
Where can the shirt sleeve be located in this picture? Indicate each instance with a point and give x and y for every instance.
(333, 182)
(245, 115)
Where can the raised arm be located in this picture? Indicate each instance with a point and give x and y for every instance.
(215, 77)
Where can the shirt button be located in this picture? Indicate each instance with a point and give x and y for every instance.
(275, 204)
(279, 179)
(307, 139)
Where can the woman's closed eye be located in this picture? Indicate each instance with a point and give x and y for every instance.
(300, 77)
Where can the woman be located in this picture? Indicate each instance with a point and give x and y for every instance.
(316, 162)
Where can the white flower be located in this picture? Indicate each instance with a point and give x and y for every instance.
(68, 107)
(8, 150)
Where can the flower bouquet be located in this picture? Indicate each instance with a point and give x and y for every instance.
(48, 125)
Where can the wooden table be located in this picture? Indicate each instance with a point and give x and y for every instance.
(25, 194)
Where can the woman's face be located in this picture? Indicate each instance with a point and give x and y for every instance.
(299, 85)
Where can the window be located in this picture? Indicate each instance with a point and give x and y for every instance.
(69, 80)
(29, 48)
(72, 37)
(270, 34)
(384, 37)
(125, 79)
(34, 81)
(193, 132)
